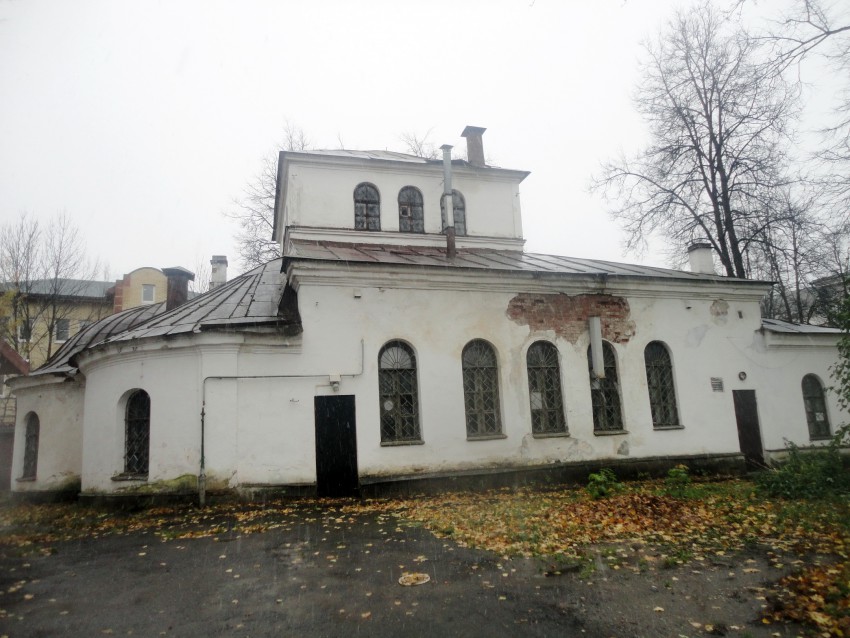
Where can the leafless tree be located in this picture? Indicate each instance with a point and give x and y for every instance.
(420, 145)
(254, 211)
(45, 274)
(719, 124)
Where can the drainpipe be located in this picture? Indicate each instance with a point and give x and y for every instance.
(448, 198)
(202, 470)
(596, 357)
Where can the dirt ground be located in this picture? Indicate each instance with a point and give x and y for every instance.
(321, 573)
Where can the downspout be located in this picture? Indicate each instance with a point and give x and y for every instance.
(202, 474)
(448, 199)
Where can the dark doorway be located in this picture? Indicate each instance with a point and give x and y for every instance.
(336, 446)
(749, 433)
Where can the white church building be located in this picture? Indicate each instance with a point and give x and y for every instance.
(406, 335)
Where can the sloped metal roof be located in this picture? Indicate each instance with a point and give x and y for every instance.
(250, 299)
(488, 259)
(776, 325)
(70, 288)
(96, 333)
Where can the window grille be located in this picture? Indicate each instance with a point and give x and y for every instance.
(659, 379)
(815, 402)
(544, 389)
(31, 446)
(605, 393)
(411, 218)
(397, 383)
(367, 207)
(459, 205)
(137, 436)
(481, 389)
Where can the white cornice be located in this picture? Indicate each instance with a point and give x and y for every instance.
(353, 275)
(392, 238)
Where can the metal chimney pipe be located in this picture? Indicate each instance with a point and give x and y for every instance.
(448, 201)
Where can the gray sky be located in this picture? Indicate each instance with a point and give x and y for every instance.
(144, 120)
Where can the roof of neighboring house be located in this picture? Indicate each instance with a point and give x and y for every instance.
(81, 288)
(776, 325)
(11, 362)
(487, 259)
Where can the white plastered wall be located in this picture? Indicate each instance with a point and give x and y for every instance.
(317, 196)
(58, 403)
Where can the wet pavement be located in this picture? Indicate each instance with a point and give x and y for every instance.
(319, 573)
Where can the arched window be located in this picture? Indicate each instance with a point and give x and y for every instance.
(397, 384)
(659, 381)
(813, 399)
(411, 218)
(605, 393)
(459, 211)
(544, 389)
(481, 389)
(137, 437)
(367, 207)
(31, 446)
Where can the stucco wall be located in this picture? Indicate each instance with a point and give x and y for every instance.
(260, 426)
(316, 196)
(59, 407)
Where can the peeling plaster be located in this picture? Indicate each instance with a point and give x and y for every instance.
(567, 316)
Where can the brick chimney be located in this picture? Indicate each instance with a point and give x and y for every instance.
(474, 145)
(218, 271)
(178, 286)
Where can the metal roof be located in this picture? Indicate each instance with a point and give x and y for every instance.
(487, 259)
(391, 156)
(96, 333)
(776, 325)
(67, 288)
(250, 299)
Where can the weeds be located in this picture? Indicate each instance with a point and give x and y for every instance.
(603, 483)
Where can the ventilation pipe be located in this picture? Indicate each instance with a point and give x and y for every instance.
(218, 271)
(448, 198)
(701, 258)
(474, 145)
(596, 358)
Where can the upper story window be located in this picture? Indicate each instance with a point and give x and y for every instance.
(367, 207)
(459, 204)
(63, 330)
(148, 293)
(605, 393)
(481, 389)
(24, 330)
(659, 381)
(813, 399)
(411, 218)
(398, 390)
(544, 389)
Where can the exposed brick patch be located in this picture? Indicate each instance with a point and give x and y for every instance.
(567, 316)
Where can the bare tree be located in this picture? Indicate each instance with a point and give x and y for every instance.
(255, 209)
(420, 145)
(719, 124)
(47, 280)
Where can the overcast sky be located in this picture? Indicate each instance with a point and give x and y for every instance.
(144, 120)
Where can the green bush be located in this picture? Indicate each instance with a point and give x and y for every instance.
(602, 483)
(810, 474)
(678, 482)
